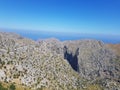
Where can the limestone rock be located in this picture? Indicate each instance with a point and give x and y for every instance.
(50, 63)
(91, 57)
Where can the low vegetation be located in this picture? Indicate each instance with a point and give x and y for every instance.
(12, 86)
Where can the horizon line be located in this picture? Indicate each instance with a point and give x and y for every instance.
(53, 31)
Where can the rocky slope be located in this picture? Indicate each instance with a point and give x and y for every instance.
(56, 65)
(93, 59)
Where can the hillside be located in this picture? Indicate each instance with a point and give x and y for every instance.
(54, 65)
(115, 48)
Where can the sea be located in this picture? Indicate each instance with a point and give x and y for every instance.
(63, 36)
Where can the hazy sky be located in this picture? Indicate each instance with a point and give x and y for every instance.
(83, 16)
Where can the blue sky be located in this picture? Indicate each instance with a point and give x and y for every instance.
(81, 16)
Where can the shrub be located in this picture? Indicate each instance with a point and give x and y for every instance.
(12, 87)
(2, 88)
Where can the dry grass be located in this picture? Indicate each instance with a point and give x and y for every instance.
(94, 87)
(115, 47)
(18, 87)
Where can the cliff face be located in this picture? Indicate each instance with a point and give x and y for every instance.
(91, 58)
(50, 63)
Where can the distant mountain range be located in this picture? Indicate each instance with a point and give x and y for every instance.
(51, 64)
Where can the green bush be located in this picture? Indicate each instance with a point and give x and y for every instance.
(12, 87)
(2, 88)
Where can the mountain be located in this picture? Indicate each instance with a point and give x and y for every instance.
(49, 64)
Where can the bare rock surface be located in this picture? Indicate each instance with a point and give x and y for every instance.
(50, 63)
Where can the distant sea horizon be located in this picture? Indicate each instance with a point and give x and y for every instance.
(36, 35)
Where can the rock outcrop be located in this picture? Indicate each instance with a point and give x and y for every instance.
(91, 58)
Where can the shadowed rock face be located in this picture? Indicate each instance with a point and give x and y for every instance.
(72, 59)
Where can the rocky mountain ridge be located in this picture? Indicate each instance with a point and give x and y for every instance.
(56, 65)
